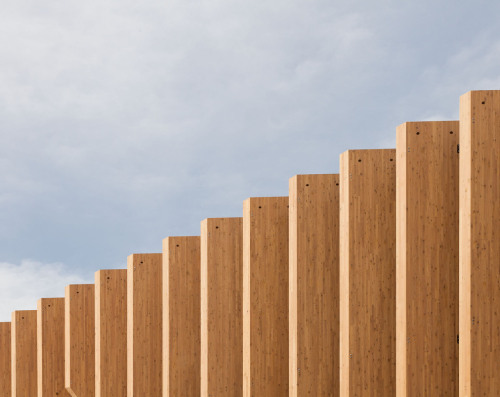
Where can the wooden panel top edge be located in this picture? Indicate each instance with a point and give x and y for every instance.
(250, 199)
(222, 218)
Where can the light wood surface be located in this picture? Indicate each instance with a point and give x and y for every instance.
(144, 325)
(314, 285)
(79, 358)
(427, 258)
(221, 303)
(50, 345)
(479, 315)
(368, 273)
(111, 333)
(265, 297)
(5, 359)
(24, 353)
(182, 317)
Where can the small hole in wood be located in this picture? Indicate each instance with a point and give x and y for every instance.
(337, 184)
(177, 245)
(108, 277)
(307, 184)
(418, 132)
(48, 305)
(482, 103)
(260, 206)
(391, 159)
(359, 160)
(22, 318)
(216, 227)
(451, 132)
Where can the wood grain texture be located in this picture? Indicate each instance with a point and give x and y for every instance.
(479, 186)
(5, 359)
(221, 303)
(144, 325)
(314, 285)
(427, 258)
(181, 316)
(367, 273)
(24, 353)
(265, 297)
(111, 333)
(50, 345)
(79, 358)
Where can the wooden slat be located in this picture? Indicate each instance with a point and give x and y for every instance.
(181, 316)
(367, 273)
(479, 291)
(265, 297)
(111, 333)
(427, 258)
(314, 283)
(221, 303)
(79, 359)
(5, 360)
(24, 352)
(50, 344)
(144, 325)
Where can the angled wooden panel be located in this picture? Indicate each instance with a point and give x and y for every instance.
(479, 186)
(144, 325)
(367, 273)
(111, 333)
(265, 297)
(79, 358)
(181, 316)
(427, 258)
(314, 283)
(24, 352)
(50, 344)
(221, 302)
(5, 360)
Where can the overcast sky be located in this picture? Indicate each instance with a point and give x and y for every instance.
(124, 122)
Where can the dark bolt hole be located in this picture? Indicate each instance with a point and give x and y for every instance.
(48, 305)
(336, 184)
(307, 184)
(451, 132)
(108, 277)
(359, 160)
(483, 102)
(418, 132)
(77, 292)
(177, 245)
(391, 159)
(216, 227)
(22, 318)
(260, 206)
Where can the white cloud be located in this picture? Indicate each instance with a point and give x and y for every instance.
(22, 285)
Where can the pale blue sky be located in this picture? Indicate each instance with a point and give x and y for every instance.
(124, 122)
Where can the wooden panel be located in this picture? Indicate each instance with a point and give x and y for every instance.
(5, 360)
(144, 322)
(50, 344)
(24, 351)
(265, 297)
(111, 333)
(314, 283)
(479, 244)
(221, 302)
(427, 258)
(80, 340)
(181, 316)
(367, 273)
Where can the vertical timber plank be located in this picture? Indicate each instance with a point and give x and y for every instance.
(5, 359)
(314, 281)
(182, 315)
(79, 359)
(50, 344)
(111, 333)
(479, 186)
(24, 352)
(367, 272)
(144, 325)
(265, 297)
(221, 303)
(427, 258)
